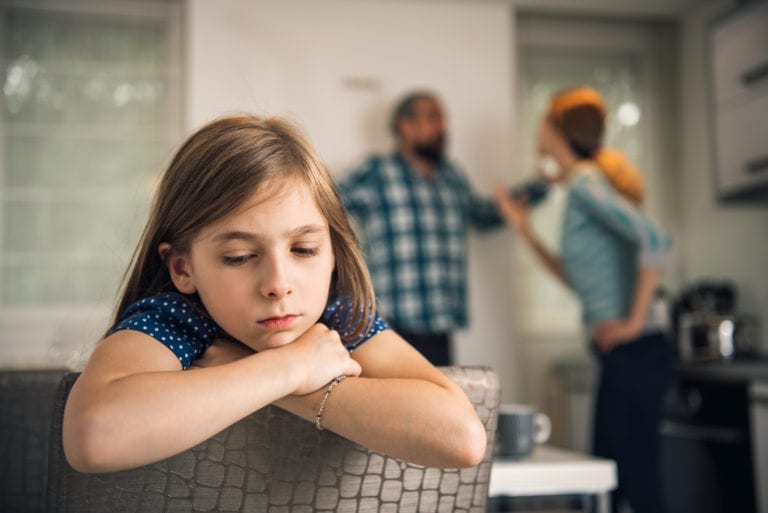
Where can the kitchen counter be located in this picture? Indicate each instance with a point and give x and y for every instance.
(738, 370)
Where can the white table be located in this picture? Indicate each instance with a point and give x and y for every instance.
(554, 471)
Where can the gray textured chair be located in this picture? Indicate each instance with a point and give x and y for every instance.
(26, 409)
(273, 461)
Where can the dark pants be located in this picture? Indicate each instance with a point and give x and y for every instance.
(436, 347)
(634, 378)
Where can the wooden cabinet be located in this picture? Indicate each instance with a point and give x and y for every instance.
(739, 44)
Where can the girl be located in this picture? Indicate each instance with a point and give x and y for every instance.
(612, 257)
(247, 288)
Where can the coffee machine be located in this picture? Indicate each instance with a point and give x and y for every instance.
(707, 326)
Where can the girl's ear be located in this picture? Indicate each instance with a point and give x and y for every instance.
(178, 268)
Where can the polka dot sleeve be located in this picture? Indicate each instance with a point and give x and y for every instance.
(172, 320)
(337, 315)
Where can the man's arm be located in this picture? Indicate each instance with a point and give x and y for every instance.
(516, 214)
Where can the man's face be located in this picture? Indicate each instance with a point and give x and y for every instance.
(425, 133)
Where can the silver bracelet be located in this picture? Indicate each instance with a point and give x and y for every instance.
(336, 381)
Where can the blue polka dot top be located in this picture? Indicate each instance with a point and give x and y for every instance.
(185, 329)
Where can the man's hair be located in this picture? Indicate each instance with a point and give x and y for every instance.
(406, 108)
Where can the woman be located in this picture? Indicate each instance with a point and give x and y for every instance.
(611, 256)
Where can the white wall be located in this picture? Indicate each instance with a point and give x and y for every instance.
(336, 67)
(721, 241)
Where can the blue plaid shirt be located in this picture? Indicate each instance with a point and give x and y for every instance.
(413, 232)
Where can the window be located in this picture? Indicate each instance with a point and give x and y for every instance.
(629, 63)
(91, 110)
(632, 64)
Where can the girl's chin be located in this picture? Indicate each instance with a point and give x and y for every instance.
(273, 341)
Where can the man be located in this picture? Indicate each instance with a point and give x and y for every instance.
(413, 210)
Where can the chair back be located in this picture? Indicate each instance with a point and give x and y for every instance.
(274, 461)
(26, 406)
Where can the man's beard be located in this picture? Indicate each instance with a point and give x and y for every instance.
(432, 151)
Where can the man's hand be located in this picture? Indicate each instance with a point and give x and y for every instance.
(515, 213)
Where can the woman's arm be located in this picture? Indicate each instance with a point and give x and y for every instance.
(516, 214)
(132, 405)
(606, 206)
(481, 211)
(609, 334)
(400, 405)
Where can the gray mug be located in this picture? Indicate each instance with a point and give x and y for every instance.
(519, 429)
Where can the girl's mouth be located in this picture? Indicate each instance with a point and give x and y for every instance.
(278, 323)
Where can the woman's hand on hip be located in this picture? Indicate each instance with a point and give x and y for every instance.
(610, 334)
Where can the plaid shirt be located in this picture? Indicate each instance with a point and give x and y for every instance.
(414, 239)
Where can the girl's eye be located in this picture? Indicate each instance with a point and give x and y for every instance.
(237, 260)
(305, 252)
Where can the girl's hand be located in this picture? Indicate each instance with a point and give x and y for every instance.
(220, 352)
(516, 213)
(610, 334)
(321, 357)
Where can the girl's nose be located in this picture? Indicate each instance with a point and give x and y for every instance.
(275, 283)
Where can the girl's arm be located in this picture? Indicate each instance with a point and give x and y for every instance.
(516, 214)
(132, 405)
(400, 405)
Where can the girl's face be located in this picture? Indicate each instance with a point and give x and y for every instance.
(263, 272)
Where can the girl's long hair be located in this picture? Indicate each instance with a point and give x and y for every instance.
(213, 172)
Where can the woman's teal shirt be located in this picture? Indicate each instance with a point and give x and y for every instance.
(605, 241)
